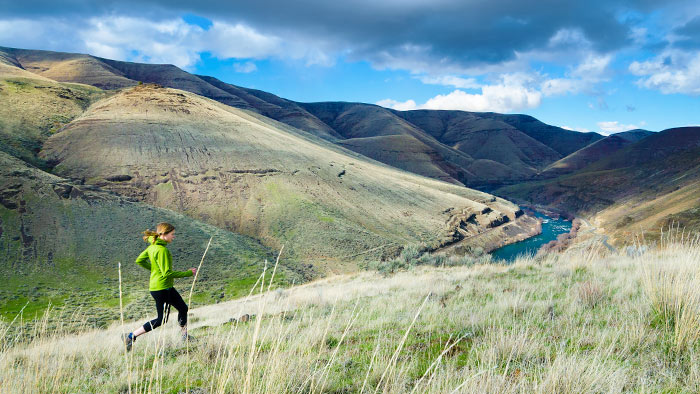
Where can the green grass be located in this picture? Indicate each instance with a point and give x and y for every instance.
(526, 327)
(34, 109)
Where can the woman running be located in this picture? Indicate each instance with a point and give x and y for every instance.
(158, 260)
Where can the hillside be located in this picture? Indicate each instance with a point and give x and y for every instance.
(581, 322)
(593, 152)
(34, 107)
(501, 150)
(61, 241)
(561, 140)
(246, 173)
(357, 123)
(642, 186)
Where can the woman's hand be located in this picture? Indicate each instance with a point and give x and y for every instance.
(194, 271)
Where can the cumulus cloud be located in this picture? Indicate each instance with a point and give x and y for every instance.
(170, 41)
(583, 78)
(398, 105)
(513, 92)
(612, 127)
(673, 71)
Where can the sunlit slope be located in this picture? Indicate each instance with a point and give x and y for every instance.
(33, 107)
(246, 173)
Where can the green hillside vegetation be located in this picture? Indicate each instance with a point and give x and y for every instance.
(583, 321)
(60, 243)
(34, 108)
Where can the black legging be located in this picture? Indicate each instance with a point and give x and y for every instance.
(166, 298)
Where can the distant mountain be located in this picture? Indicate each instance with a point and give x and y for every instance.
(561, 140)
(593, 152)
(499, 149)
(474, 149)
(639, 187)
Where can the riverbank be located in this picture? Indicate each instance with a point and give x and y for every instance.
(551, 228)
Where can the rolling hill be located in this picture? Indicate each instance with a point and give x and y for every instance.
(643, 186)
(478, 150)
(34, 107)
(246, 173)
(593, 152)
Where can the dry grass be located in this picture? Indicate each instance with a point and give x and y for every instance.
(584, 321)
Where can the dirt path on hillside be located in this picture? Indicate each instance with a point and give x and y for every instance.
(599, 237)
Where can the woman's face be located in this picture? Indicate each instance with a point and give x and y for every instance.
(168, 237)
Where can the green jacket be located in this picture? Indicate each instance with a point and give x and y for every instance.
(158, 260)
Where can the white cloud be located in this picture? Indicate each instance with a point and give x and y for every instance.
(137, 39)
(247, 67)
(450, 80)
(512, 93)
(584, 78)
(568, 37)
(580, 129)
(398, 105)
(612, 127)
(170, 41)
(673, 71)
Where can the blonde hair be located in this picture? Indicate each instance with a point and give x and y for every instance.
(161, 229)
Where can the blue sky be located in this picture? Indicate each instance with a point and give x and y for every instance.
(603, 66)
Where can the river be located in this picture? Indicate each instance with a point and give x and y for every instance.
(551, 227)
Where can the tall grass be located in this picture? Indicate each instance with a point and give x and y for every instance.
(671, 280)
(584, 321)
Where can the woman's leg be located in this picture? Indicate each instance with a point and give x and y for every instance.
(161, 298)
(176, 300)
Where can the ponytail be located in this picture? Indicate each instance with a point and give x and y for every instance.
(161, 229)
(148, 233)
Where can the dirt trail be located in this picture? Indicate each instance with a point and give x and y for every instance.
(598, 237)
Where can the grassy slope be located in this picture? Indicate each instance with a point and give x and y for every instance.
(33, 108)
(61, 243)
(573, 323)
(249, 174)
(487, 140)
(592, 153)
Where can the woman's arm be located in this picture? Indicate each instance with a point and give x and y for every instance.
(164, 261)
(143, 260)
